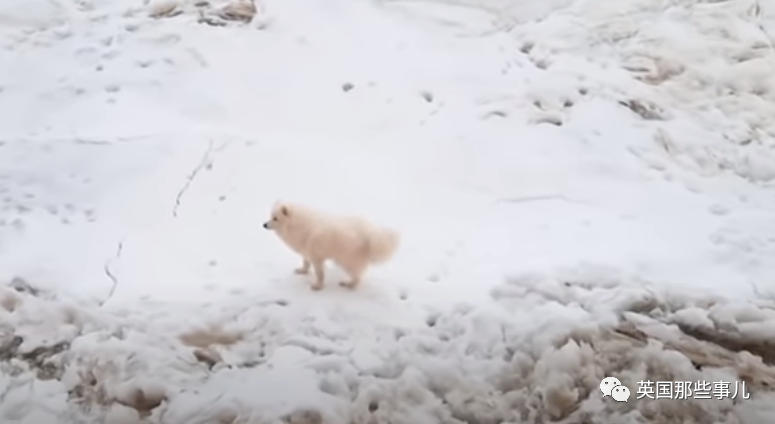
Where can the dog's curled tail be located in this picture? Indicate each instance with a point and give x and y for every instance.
(382, 244)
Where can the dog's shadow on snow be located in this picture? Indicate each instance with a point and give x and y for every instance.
(375, 295)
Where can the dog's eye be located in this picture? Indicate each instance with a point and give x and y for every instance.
(274, 218)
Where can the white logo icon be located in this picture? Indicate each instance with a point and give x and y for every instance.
(608, 384)
(620, 393)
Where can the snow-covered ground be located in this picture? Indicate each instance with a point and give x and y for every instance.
(585, 189)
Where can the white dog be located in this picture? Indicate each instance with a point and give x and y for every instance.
(351, 242)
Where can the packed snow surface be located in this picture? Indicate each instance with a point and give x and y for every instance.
(584, 188)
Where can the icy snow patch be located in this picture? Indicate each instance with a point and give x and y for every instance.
(467, 364)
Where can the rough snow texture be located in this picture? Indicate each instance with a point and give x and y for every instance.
(585, 190)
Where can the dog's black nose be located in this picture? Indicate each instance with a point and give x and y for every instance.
(266, 225)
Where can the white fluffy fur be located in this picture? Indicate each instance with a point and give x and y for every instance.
(351, 242)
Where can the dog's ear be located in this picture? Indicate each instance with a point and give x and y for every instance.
(284, 210)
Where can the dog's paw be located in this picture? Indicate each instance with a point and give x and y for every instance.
(316, 287)
(348, 284)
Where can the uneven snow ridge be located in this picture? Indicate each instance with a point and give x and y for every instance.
(584, 190)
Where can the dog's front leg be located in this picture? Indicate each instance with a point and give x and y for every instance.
(319, 275)
(304, 270)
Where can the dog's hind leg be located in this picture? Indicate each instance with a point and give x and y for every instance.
(320, 274)
(304, 270)
(356, 272)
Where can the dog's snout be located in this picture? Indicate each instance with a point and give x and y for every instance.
(266, 225)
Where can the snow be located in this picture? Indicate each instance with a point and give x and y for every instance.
(584, 190)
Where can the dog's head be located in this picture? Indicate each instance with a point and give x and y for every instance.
(280, 215)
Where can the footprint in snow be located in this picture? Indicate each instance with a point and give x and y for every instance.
(403, 294)
(718, 209)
